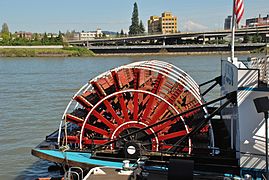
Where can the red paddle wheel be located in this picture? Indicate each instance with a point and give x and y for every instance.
(129, 98)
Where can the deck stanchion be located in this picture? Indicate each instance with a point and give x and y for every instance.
(262, 106)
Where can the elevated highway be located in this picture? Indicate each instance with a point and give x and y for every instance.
(165, 38)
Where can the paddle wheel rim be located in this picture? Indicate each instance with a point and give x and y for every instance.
(168, 72)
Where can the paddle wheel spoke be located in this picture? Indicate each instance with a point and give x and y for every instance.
(97, 130)
(88, 106)
(135, 100)
(90, 141)
(120, 96)
(86, 140)
(156, 88)
(107, 103)
(172, 135)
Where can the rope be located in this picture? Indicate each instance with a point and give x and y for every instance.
(65, 130)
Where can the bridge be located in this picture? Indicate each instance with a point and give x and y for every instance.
(175, 38)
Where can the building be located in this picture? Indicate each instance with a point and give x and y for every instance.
(52, 35)
(167, 23)
(23, 34)
(90, 35)
(259, 21)
(86, 35)
(228, 23)
(154, 25)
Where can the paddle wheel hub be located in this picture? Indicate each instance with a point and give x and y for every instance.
(133, 97)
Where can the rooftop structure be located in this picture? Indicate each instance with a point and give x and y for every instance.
(258, 21)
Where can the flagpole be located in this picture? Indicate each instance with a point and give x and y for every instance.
(233, 32)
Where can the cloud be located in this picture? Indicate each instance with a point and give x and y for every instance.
(191, 26)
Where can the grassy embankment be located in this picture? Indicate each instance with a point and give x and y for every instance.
(43, 52)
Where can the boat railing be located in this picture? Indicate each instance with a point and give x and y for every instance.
(261, 63)
(74, 172)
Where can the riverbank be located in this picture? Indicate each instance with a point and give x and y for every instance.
(84, 52)
(184, 53)
(171, 54)
(45, 52)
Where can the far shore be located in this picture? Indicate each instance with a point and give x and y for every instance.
(33, 47)
(60, 51)
(45, 51)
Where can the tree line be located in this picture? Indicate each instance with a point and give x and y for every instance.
(30, 39)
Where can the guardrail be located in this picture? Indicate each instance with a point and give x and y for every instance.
(261, 63)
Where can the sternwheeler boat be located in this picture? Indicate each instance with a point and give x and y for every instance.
(151, 117)
(153, 113)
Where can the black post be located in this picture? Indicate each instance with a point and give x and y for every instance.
(266, 142)
(262, 105)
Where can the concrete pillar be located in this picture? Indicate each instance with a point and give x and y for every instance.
(164, 42)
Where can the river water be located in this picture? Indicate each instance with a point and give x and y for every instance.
(35, 91)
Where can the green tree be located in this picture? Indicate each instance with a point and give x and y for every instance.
(5, 28)
(255, 39)
(44, 40)
(68, 34)
(141, 27)
(259, 38)
(121, 33)
(5, 32)
(247, 38)
(134, 28)
(60, 38)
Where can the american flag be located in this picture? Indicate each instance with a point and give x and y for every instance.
(239, 10)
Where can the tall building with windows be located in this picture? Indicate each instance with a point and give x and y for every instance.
(154, 25)
(167, 23)
(228, 23)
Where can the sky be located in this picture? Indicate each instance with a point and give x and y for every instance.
(114, 15)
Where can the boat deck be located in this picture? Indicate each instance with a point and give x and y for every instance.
(116, 174)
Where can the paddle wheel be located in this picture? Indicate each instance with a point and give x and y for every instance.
(132, 97)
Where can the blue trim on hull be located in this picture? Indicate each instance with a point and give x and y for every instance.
(80, 157)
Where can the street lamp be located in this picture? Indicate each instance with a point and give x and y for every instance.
(262, 105)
